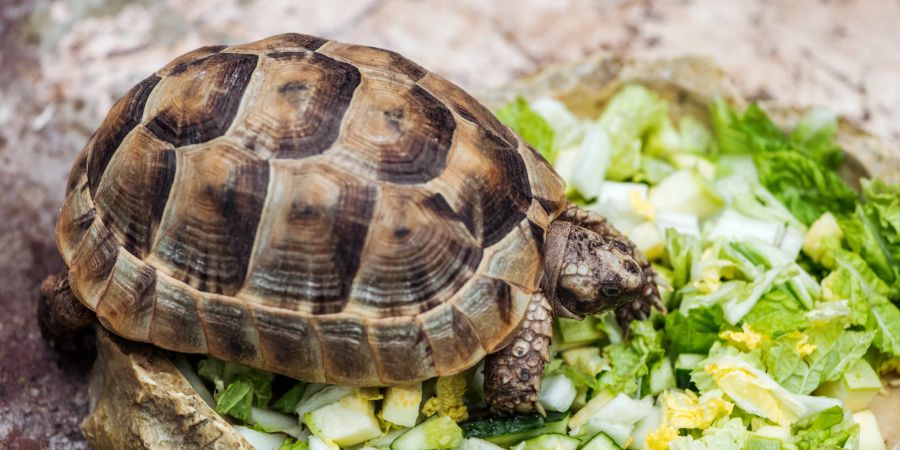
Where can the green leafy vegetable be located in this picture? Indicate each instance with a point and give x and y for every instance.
(696, 331)
(236, 400)
(805, 187)
(682, 251)
(631, 114)
(287, 403)
(825, 430)
(530, 125)
(873, 231)
(796, 169)
(816, 133)
(631, 359)
(835, 350)
(291, 444)
(775, 314)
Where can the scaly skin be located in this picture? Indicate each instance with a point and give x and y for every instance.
(512, 376)
(649, 296)
(589, 267)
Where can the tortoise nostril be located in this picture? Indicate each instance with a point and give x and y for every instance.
(632, 267)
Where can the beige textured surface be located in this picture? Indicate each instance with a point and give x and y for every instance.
(163, 410)
(63, 63)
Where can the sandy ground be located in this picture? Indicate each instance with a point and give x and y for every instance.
(63, 63)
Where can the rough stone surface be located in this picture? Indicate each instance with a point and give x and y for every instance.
(140, 400)
(63, 63)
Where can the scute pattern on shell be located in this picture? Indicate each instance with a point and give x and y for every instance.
(331, 212)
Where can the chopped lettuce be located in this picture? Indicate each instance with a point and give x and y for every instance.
(827, 429)
(873, 230)
(631, 359)
(777, 313)
(630, 115)
(531, 126)
(695, 331)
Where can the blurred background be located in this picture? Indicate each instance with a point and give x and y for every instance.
(63, 63)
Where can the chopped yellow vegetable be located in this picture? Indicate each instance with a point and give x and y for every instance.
(660, 438)
(641, 205)
(686, 410)
(755, 391)
(746, 340)
(448, 400)
(802, 344)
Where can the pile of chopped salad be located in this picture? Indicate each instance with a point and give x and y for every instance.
(781, 283)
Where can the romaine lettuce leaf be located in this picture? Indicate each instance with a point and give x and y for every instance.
(695, 331)
(805, 187)
(834, 350)
(777, 313)
(816, 133)
(873, 230)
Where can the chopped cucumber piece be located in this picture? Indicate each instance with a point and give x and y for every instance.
(686, 192)
(648, 239)
(734, 225)
(322, 397)
(757, 442)
(586, 359)
(509, 431)
(579, 331)
(585, 414)
(869, 435)
(316, 443)
(617, 418)
(349, 421)
(187, 370)
(601, 442)
(782, 434)
(856, 388)
(644, 427)
(625, 205)
(557, 393)
(684, 365)
(260, 440)
(593, 159)
(683, 223)
(549, 442)
(661, 376)
(272, 422)
(737, 165)
(386, 439)
(478, 444)
(436, 433)
(401, 405)
(702, 166)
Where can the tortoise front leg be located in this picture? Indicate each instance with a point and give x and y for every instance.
(512, 376)
(63, 320)
(649, 297)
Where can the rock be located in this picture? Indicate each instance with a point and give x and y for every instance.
(140, 400)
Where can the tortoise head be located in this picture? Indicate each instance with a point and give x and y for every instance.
(597, 274)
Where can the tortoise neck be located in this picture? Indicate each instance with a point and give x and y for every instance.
(554, 254)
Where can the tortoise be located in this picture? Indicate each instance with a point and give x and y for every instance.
(334, 213)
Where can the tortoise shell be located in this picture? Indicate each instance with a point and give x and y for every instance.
(330, 212)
